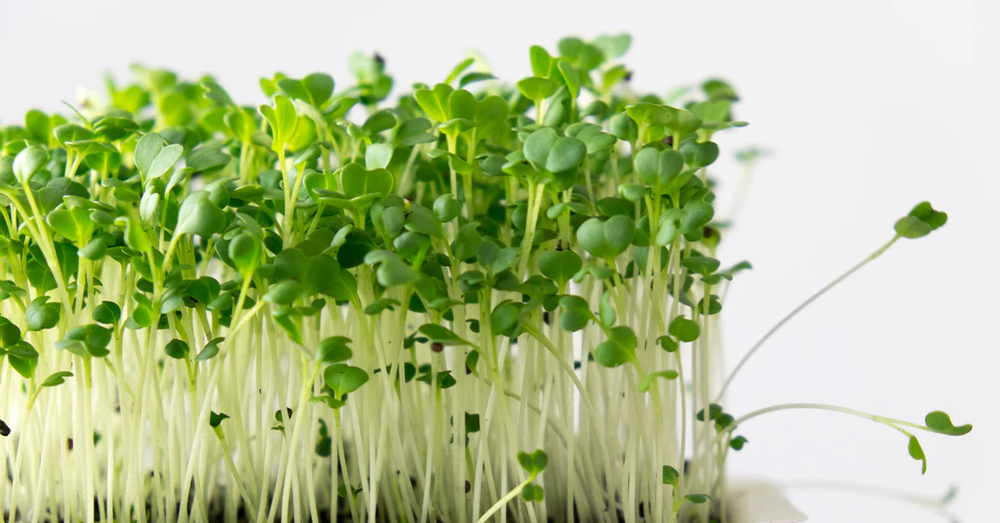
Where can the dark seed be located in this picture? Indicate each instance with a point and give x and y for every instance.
(4, 429)
(468, 487)
(69, 443)
(437, 347)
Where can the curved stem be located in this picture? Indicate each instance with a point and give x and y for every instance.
(889, 422)
(795, 311)
(506, 499)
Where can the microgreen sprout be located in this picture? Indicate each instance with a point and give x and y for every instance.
(389, 291)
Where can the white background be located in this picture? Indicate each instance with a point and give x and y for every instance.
(867, 107)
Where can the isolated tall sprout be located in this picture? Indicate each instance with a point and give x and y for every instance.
(494, 302)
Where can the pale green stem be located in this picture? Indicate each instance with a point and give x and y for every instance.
(795, 311)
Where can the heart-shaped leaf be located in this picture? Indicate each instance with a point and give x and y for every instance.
(606, 239)
(357, 181)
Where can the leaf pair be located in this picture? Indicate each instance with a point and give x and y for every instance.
(921, 220)
(445, 105)
(533, 463)
(549, 152)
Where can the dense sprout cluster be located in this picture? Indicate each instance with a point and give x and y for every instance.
(335, 307)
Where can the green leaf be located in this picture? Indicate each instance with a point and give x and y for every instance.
(575, 313)
(315, 88)
(207, 158)
(541, 61)
(87, 340)
(10, 334)
(393, 272)
(199, 215)
(684, 329)
(610, 354)
(475, 77)
(141, 317)
(435, 102)
(697, 214)
(41, 315)
(210, 350)
(532, 492)
(505, 319)
(333, 350)
(177, 349)
(379, 121)
(146, 150)
(357, 181)
(38, 125)
(215, 92)
(738, 443)
(920, 222)
(57, 378)
(671, 476)
(241, 124)
(442, 335)
(23, 358)
(647, 382)
(28, 162)
(606, 239)
(622, 126)
(215, 419)
(462, 66)
(659, 168)
(533, 463)
(537, 89)
(570, 76)
(164, 160)
(283, 293)
(650, 113)
(545, 149)
(495, 259)
(940, 422)
(714, 412)
(703, 265)
(380, 305)
(74, 224)
(344, 379)
(699, 154)
(447, 208)
(377, 156)
(560, 265)
(592, 135)
(282, 119)
(698, 499)
(917, 453)
(613, 46)
(245, 251)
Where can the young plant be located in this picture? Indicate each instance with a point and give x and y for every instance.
(389, 299)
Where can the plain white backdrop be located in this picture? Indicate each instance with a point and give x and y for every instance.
(866, 107)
